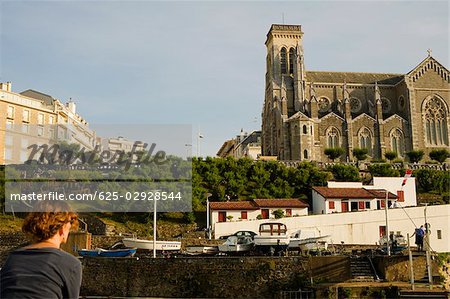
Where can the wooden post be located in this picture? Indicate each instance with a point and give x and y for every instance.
(411, 264)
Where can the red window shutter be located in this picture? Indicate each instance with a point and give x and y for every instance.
(331, 204)
(361, 205)
(288, 212)
(400, 196)
(243, 214)
(382, 203)
(344, 206)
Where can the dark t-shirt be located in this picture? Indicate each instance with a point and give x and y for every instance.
(40, 273)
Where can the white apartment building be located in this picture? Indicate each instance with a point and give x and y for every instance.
(340, 197)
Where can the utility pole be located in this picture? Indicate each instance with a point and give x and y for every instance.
(411, 269)
(388, 248)
(427, 244)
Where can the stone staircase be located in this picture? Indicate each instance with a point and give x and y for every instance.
(361, 269)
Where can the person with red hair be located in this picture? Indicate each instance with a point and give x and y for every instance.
(42, 269)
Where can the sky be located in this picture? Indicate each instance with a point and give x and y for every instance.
(200, 63)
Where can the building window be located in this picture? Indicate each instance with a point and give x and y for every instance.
(40, 130)
(382, 230)
(283, 61)
(51, 120)
(397, 142)
(305, 129)
(8, 140)
(439, 234)
(333, 137)
(400, 196)
(26, 115)
(305, 154)
(222, 216)
(289, 212)
(10, 112)
(25, 128)
(9, 124)
(291, 60)
(434, 114)
(361, 205)
(365, 140)
(8, 154)
(243, 214)
(367, 205)
(40, 119)
(331, 205)
(265, 213)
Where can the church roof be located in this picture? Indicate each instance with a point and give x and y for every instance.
(350, 77)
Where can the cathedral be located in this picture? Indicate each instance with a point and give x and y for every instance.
(306, 112)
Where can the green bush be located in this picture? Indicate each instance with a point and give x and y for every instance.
(415, 156)
(360, 153)
(334, 152)
(439, 155)
(279, 213)
(345, 173)
(383, 170)
(390, 155)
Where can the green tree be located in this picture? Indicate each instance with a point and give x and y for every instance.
(390, 155)
(439, 155)
(415, 156)
(430, 180)
(360, 153)
(334, 152)
(345, 173)
(383, 170)
(279, 213)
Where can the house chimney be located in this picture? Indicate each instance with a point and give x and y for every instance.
(6, 86)
(72, 106)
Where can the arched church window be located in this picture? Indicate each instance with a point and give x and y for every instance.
(365, 140)
(305, 129)
(283, 61)
(291, 60)
(305, 154)
(435, 117)
(397, 142)
(333, 137)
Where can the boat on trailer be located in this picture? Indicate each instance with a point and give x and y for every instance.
(272, 238)
(148, 244)
(237, 245)
(201, 250)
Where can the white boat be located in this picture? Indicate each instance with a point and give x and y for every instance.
(272, 237)
(237, 244)
(306, 240)
(201, 250)
(148, 244)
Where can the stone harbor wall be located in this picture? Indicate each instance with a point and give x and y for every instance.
(216, 277)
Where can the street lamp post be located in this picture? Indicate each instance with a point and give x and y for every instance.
(187, 145)
(154, 228)
(208, 224)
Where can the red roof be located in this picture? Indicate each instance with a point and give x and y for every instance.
(258, 203)
(353, 193)
(233, 205)
(281, 203)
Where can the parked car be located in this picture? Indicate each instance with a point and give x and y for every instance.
(248, 233)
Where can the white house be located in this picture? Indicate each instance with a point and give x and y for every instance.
(365, 227)
(328, 200)
(256, 208)
(340, 197)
